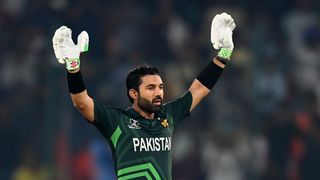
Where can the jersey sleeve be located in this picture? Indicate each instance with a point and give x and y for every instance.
(179, 108)
(105, 118)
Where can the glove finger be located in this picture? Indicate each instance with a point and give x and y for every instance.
(56, 51)
(214, 28)
(215, 37)
(216, 17)
(66, 35)
(230, 23)
(216, 46)
(215, 20)
(232, 26)
(55, 43)
(226, 19)
(227, 39)
(223, 19)
(226, 16)
(213, 32)
(64, 30)
(61, 61)
(83, 41)
(56, 37)
(59, 39)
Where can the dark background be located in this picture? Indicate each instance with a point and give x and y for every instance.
(261, 120)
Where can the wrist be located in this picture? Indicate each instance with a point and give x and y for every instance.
(75, 82)
(225, 53)
(74, 71)
(72, 64)
(210, 75)
(219, 62)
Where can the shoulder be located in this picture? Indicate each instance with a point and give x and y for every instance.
(101, 107)
(186, 97)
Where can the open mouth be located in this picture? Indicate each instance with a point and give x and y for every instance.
(157, 102)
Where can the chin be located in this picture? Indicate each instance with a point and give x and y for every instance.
(156, 108)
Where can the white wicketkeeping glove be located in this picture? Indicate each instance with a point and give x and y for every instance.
(65, 49)
(221, 34)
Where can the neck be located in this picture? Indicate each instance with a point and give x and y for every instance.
(144, 114)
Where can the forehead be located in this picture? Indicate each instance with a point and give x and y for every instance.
(151, 79)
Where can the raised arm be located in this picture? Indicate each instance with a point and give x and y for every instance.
(198, 90)
(68, 53)
(82, 101)
(221, 39)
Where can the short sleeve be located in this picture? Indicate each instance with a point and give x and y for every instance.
(179, 108)
(106, 118)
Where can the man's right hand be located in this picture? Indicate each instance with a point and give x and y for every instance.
(66, 51)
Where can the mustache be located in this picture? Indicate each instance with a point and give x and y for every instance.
(157, 98)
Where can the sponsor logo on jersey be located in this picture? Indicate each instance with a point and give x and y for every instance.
(151, 144)
(134, 124)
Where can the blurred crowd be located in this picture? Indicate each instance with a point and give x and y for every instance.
(261, 120)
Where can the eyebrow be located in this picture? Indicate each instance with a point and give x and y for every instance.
(151, 85)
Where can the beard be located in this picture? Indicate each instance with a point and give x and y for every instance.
(149, 107)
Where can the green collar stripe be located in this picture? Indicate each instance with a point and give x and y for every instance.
(135, 175)
(139, 168)
(115, 136)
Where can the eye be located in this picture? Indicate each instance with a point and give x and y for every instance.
(150, 87)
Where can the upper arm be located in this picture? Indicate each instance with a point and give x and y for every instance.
(84, 103)
(106, 118)
(198, 91)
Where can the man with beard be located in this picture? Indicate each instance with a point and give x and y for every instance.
(140, 136)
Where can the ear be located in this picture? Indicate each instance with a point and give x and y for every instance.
(133, 94)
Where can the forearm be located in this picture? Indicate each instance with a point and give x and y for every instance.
(80, 100)
(84, 103)
(198, 91)
(205, 81)
(79, 95)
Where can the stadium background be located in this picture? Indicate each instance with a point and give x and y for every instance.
(260, 122)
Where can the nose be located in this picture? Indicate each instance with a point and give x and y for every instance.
(158, 92)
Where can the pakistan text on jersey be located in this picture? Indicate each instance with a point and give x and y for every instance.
(152, 144)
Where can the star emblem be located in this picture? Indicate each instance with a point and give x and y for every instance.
(165, 123)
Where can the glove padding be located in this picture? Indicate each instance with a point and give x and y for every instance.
(221, 32)
(65, 50)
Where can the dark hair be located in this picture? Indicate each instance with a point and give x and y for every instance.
(133, 79)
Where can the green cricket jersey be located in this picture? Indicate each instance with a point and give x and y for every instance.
(141, 148)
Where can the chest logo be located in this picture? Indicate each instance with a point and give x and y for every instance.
(134, 124)
(165, 123)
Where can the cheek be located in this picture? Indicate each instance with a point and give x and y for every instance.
(146, 95)
(162, 93)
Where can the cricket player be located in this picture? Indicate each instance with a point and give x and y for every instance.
(140, 136)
